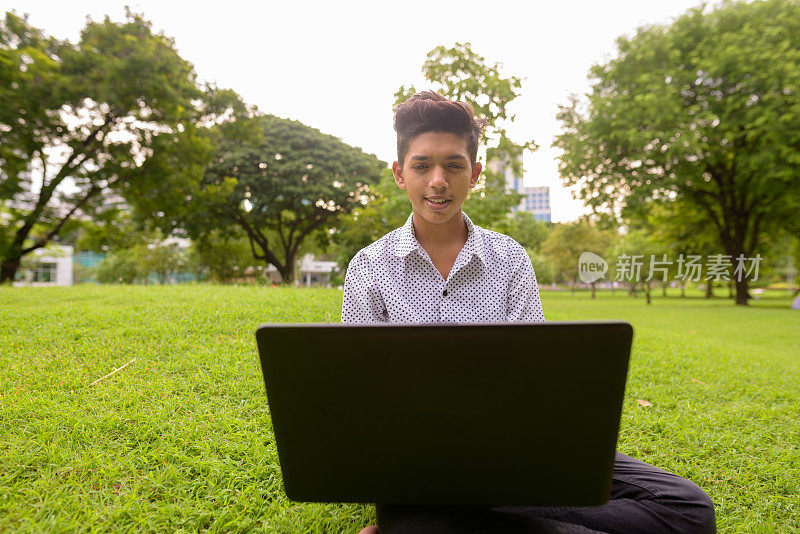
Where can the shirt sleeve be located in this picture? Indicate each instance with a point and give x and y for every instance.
(523, 303)
(362, 302)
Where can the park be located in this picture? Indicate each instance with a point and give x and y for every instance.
(151, 220)
(180, 439)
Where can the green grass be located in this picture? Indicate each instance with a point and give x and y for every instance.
(180, 439)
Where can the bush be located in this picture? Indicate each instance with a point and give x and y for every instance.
(123, 266)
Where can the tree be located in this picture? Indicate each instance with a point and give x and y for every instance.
(543, 266)
(112, 229)
(565, 244)
(780, 265)
(276, 180)
(165, 259)
(678, 231)
(460, 74)
(123, 266)
(525, 229)
(78, 119)
(139, 261)
(221, 256)
(633, 255)
(387, 209)
(705, 112)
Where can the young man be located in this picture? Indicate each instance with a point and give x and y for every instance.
(440, 267)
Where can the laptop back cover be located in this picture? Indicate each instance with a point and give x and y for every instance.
(511, 414)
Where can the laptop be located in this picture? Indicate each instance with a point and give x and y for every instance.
(480, 414)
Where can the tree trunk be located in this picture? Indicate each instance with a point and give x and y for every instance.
(664, 289)
(709, 289)
(683, 289)
(647, 291)
(593, 284)
(287, 270)
(8, 270)
(742, 295)
(736, 249)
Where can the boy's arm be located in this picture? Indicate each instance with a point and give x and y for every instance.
(523, 303)
(362, 301)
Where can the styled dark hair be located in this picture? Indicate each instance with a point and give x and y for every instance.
(431, 112)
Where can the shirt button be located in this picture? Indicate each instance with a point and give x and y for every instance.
(444, 293)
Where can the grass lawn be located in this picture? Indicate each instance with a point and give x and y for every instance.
(180, 439)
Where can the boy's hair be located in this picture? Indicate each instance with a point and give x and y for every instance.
(431, 112)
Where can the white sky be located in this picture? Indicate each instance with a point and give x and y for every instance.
(336, 65)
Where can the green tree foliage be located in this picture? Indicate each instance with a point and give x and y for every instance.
(544, 268)
(113, 229)
(276, 180)
(77, 120)
(676, 230)
(123, 266)
(387, 210)
(525, 229)
(165, 259)
(565, 244)
(632, 256)
(461, 74)
(706, 112)
(781, 261)
(138, 262)
(221, 257)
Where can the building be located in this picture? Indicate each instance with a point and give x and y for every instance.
(310, 272)
(536, 200)
(50, 266)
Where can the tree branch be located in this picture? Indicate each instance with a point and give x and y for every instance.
(47, 190)
(725, 224)
(697, 194)
(254, 236)
(94, 190)
(43, 159)
(753, 241)
(70, 164)
(318, 221)
(280, 231)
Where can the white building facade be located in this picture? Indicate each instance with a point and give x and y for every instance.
(50, 266)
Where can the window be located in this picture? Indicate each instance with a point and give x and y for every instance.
(44, 272)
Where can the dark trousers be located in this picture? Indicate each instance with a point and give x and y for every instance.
(644, 500)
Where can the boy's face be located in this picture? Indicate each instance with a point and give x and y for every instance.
(437, 175)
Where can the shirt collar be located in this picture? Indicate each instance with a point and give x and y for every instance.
(407, 242)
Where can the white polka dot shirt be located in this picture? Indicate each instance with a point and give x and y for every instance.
(393, 280)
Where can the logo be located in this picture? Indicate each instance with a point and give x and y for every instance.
(591, 267)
